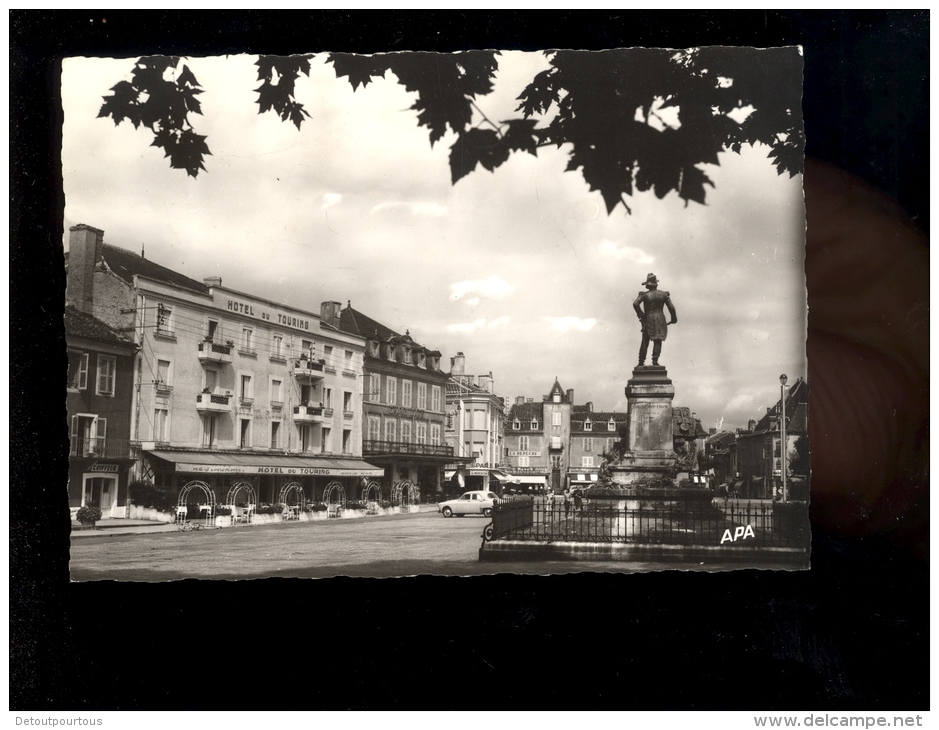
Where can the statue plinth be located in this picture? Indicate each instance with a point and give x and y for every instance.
(649, 394)
(649, 461)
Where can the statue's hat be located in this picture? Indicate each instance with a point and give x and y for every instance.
(650, 279)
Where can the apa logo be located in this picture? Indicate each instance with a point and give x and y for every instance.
(740, 533)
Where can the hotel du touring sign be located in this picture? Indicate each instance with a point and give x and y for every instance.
(317, 471)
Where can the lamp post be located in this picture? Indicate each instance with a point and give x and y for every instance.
(782, 432)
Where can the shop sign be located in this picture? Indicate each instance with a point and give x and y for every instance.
(403, 412)
(314, 471)
(524, 453)
(110, 468)
(251, 310)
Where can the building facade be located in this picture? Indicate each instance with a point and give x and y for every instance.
(99, 398)
(238, 398)
(475, 428)
(759, 449)
(537, 439)
(593, 434)
(402, 407)
(557, 444)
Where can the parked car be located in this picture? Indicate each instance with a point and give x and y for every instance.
(470, 503)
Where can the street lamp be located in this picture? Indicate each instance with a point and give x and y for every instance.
(782, 432)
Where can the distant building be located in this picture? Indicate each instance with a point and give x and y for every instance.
(98, 399)
(475, 426)
(559, 444)
(720, 452)
(237, 398)
(593, 434)
(537, 439)
(759, 455)
(403, 405)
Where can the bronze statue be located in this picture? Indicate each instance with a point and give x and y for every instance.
(648, 306)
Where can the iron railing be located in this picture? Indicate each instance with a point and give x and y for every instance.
(406, 447)
(214, 398)
(214, 347)
(743, 524)
(308, 410)
(102, 448)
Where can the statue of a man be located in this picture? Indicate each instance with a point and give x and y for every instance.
(648, 306)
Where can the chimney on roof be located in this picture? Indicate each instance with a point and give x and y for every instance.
(485, 382)
(589, 406)
(751, 425)
(712, 431)
(212, 281)
(84, 251)
(570, 395)
(329, 313)
(519, 400)
(458, 364)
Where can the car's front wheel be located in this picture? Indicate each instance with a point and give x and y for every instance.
(447, 512)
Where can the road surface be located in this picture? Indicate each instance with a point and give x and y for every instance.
(400, 545)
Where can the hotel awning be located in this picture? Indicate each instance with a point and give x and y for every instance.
(234, 463)
(584, 478)
(528, 480)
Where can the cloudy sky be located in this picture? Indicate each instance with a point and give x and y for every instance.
(521, 269)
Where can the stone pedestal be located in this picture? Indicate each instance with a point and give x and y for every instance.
(649, 394)
(650, 454)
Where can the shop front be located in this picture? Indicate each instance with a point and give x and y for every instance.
(527, 484)
(235, 477)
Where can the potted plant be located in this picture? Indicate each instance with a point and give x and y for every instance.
(223, 515)
(88, 514)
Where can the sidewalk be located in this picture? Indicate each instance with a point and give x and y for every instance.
(119, 526)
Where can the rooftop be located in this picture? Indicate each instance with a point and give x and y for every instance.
(82, 324)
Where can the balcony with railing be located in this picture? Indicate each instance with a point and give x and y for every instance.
(308, 414)
(162, 387)
(307, 370)
(100, 448)
(214, 352)
(375, 447)
(212, 402)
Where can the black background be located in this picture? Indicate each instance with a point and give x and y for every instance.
(853, 632)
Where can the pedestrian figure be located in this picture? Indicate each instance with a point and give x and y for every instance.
(567, 502)
(578, 501)
(549, 501)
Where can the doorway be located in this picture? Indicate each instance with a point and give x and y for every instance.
(101, 492)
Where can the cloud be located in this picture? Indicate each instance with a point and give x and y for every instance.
(498, 322)
(492, 287)
(417, 209)
(627, 254)
(469, 327)
(566, 324)
(330, 199)
(742, 402)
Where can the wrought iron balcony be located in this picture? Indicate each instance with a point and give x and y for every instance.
(405, 447)
(307, 370)
(212, 403)
(214, 352)
(100, 448)
(308, 414)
